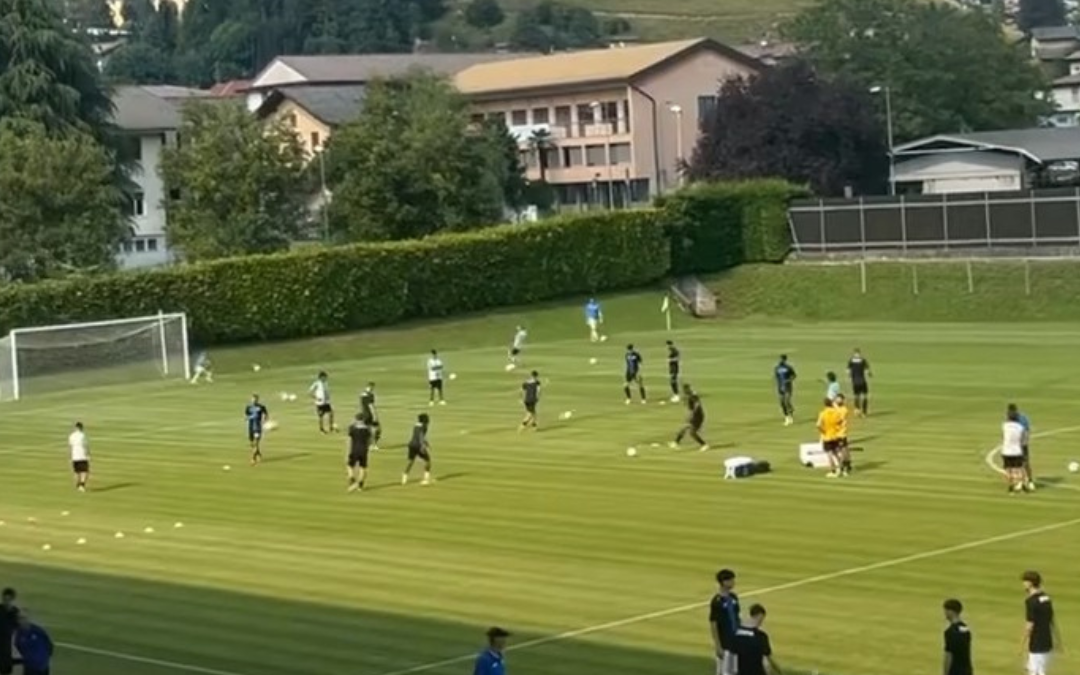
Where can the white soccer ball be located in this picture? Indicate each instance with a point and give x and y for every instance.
(292, 397)
(46, 547)
(603, 338)
(1074, 467)
(453, 376)
(566, 415)
(226, 468)
(256, 367)
(510, 367)
(271, 425)
(631, 452)
(592, 361)
(284, 396)
(81, 541)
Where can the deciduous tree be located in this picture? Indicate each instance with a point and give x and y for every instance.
(1040, 14)
(484, 13)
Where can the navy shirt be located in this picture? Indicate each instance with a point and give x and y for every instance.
(255, 413)
(673, 359)
(35, 646)
(367, 402)
(490, 662)
(724, 612)
(785, 376)
(633, 362)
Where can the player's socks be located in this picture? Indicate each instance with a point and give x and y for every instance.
(626, 391)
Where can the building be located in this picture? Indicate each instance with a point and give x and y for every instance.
(1054, 43)
(989, 161)
(313, 111)
(148, 118)
(606, 126)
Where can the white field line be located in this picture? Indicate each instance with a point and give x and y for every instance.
(132, 658)
(992, 452)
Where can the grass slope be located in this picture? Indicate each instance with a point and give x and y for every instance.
(278, 571)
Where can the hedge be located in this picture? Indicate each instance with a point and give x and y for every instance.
(319, 291)
(716, 226)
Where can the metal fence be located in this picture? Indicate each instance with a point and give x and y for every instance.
(1031, 219)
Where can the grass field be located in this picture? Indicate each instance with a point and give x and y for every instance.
(598, 562)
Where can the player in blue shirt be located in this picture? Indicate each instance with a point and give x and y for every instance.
(256, 415)
(490, 661)
(633, 373)
(785, 375)
(832, 389)
(593, 319)
(1022, 419)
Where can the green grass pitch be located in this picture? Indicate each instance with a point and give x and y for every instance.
(600, 563)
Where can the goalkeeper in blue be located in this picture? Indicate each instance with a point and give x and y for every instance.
(594, 318)
(203, 369)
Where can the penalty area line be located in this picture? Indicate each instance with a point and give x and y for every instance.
(133, 658)
(994, 451)
(799, 583)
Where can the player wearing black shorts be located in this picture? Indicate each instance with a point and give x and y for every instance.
(633, 373)
(859, 371)
(256, 415)
(530, 397)
(694, 420)
(368, 410)
(673, 364)
(419, 447)
(359, 445)
(9, 621)
(785, 375)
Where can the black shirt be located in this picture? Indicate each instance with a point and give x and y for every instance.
(531, 388)
(785, 376)
(633, 362)
(958, 643)
(359, 437)
(8, 624)
(724, 612)
(419, 436)
(367, 402)
(751, 646)
(697, 412)
(1040, 613)
(673, 359)
(858, 367)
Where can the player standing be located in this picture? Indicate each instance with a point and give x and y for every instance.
(594, 318)
(832, 388)
(1041, 635)
(516, 346)
(1029, 479)
(694, 421)
(359, 445)
(829, 427)
(859, 371)
(840, 403)
(320, 393)
(256, 415)
(673, 365)
(1012, 451)
(785, 376)
(957, 641)
(435, 378)
(530, 397)
(724, 621)
(368, 410)
(633, 374)
(203, 369)
(419, 447)
(753, 652)
(80, 456)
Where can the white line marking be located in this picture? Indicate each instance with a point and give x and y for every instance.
(828, 576)
(989, 459)
(121, 656)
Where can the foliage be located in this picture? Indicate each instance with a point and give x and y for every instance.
(412, 164)
(551, 25)
(484, 13)
(1040, 14)
(506, 162)
(85, 14)
(715, 226)
(788, 122)
(140, 62)
(268, 297)
(59, 209)
(947, 69)
(236, 186)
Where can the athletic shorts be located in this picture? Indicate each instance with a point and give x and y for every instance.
(530, 407)
(1027, 453)
(860, 388)
(324, 409)
(514, 351)
(831, 447)
(726, 665)
(358, 458)
(695, 423)
(1013, 461)
(435, 384)
(415, 452)
(785, 393)
(592, 323)
(80, 466)
(254, 433)
(673, 371)
(633, 377)
(1038, 664)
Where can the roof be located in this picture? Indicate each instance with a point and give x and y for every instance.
(330, 104)
(615, 64)
(1073, 56)
(138, 109)
(1040, 145)
(230, 88)
(168, 91)
(359, 68)
(1068, 80)
(1050, 33)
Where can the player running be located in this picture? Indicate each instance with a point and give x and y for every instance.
(203, 369)
(435, 378)
(633, 374)
(368, 410)
(594, 318)
(859, 371)
(359, 445)
(1029, 479)
(256, 416)
(80, 456)
(840, 403)
(832, 386)
(694, 420)
(530, 397)
(830, 426)
(516, 346)
(320, 393)
(1012, 450)
(419, 447)
(784, 374)
(673, 365)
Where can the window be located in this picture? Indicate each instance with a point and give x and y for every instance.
(140, 245)
(585, 114)
(609, 111)
(551, 158)
(315, 141)
(620, 153)
(151, 244)
(540, 115)
(128, 247)
(595, 155)
(626, 116)
(136, 204)
(477, 118)
(706, 105)
(174, 194)
(290, 120)
(527, 158)
(497, 117)
(572, 156)
(562, 116)
(519, 118)
(130, 149)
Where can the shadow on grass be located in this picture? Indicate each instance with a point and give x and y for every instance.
(275, 459)
(113, 487)
(109, 625)
(1055, 483)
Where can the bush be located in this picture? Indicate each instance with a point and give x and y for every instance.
(715, 226)
(318, 291)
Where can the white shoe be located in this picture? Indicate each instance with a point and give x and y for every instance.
(353, 487)
(673, 445)
(431, 404)
(442, 402)
(674, 399)
(404, 479)
(703, 448)
(788, 421)
(426, 481)
(644, 402)
(627, 401)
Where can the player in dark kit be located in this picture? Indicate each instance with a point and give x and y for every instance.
(359, 445)
(859, 370)
(753, 652)
(368, 410)
(257, 416)
(530, 397)
(673, 364)
(694, 421)
(1041, 635)
(633, 373)
(9, 621)
(957, 641)
(418, 447)
(724, 621)
(785, 375)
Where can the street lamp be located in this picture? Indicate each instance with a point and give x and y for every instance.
(324, 193)
(889, 132)
(677, 111)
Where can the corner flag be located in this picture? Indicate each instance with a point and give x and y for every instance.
(665, 309)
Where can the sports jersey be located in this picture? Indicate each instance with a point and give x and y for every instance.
(785, 376)
(419, 436)
(367, 402)
(673, 357)
(633, 362)
(434, 369)
(830, 424)
(844, 415)
(1012, 439)
(80, 451)
(697, 412)
(832, 391)
(858, 367)
(592, 310)
(255, 413)
(519, 338)
(320, 389)
(531, 388)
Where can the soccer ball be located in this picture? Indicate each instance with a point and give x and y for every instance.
(292, 397)
(631, 452)
(566, 415)
(453, 376)
(603, 338)
(256, 367)
(284, 396)
(1074, 467)
(271, 425)
(592, 361)
(510, 367)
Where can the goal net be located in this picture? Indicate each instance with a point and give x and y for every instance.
(73, 356)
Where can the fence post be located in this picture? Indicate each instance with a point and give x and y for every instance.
(945, 219)
(862, 225)
(971, 277)
(821, 225)
(986, 211)
(914, 279)
(903, 224)
(1076, 196)
(1031, 197)
(862, 274)
(1027, 276)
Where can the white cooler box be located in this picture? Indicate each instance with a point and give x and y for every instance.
(813, 456)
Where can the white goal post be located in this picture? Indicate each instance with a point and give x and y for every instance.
(79, 355)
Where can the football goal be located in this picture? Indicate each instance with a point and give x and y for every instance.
(78, 355)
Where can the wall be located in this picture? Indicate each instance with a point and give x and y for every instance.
(148, 247)
(949, 173)
(300, 121)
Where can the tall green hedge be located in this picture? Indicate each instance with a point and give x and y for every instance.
(715, 226)
(318, 291)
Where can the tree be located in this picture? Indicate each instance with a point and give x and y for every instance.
(1040, 14)
(60, 207)
(539, 144)
(787, 122)
(509, 171)
(140, 63)
(551, 25)
(235, 186)
(84, 14)
(484, 13)
(947, 69)
(412, 165)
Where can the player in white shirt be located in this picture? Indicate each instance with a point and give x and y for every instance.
(320, 393)
(435, 370)
(80, 456)
(1012, 451)
(516, 346)
(203, 369)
